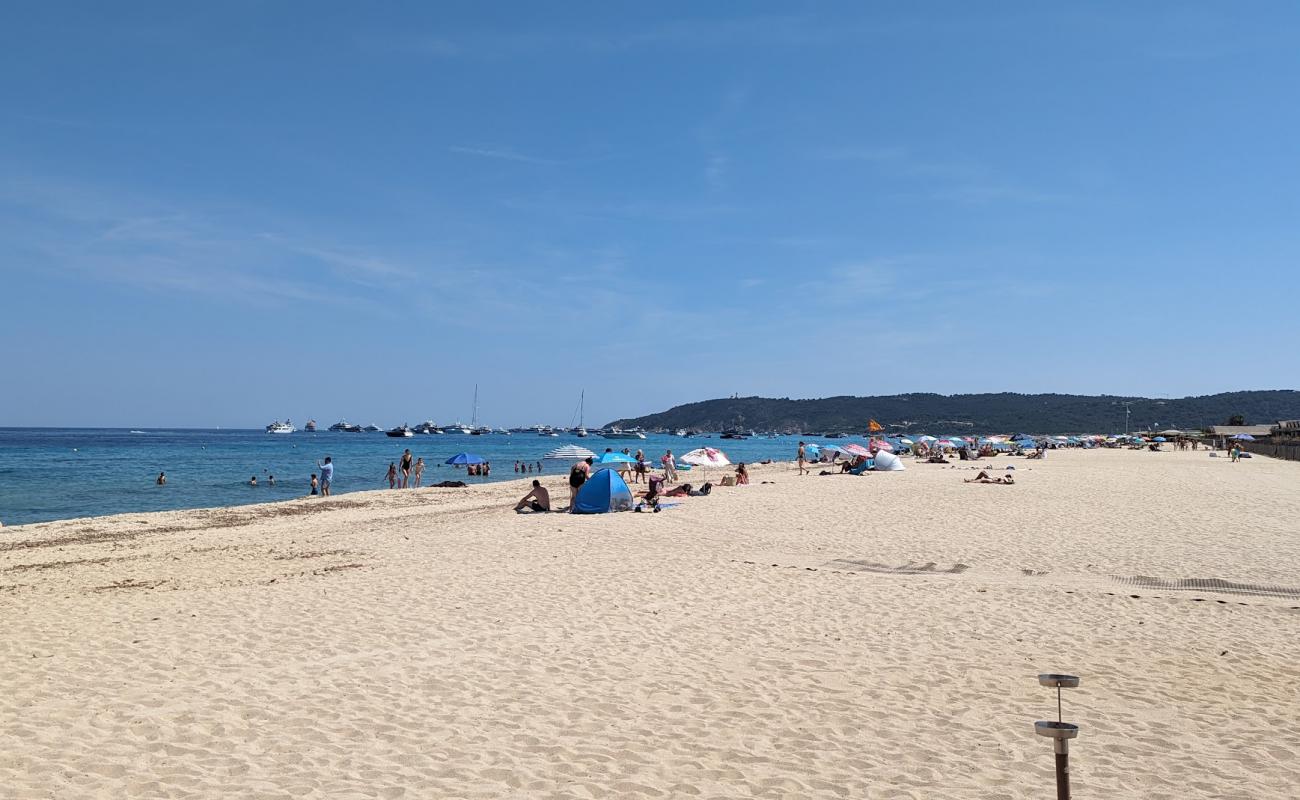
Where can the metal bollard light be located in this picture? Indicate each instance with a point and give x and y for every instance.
(1059, 732)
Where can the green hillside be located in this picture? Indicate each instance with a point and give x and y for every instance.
(958, 413)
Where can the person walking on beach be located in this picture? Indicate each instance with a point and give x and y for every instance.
(406, 468)
(669, 465)
(391, 477)
(326, 475)
(419, 471)
(802, 458)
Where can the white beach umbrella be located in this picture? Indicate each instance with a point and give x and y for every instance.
(706, 457)
(569, 452)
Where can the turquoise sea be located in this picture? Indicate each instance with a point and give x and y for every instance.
(62, 473)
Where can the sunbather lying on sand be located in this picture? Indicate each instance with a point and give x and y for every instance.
(984, 477)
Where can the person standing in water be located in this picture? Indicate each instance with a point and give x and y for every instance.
(326, 476)
(406, 468)
(391, 477)
(162, 479)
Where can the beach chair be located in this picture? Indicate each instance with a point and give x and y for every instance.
(863, 467)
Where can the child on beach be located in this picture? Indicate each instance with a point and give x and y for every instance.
(392, 475)
(314, 484)
(419, 471)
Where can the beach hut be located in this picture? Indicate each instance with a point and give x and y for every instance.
(602, 493)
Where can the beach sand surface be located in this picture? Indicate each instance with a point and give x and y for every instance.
(826, 637)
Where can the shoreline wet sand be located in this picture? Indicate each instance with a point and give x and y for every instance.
(839, 636)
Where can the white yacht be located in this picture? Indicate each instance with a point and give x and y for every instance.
(617, 433)
(281, 427)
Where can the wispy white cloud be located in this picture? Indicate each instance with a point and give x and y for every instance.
(504, 154)
(741, 32)
(955, 180)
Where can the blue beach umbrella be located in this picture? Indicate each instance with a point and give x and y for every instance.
(1160, 439)
(614, 458)
(461, 459)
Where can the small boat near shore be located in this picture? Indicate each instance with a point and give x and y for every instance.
(618, 433)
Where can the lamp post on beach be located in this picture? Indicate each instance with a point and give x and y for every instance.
(1059, 732)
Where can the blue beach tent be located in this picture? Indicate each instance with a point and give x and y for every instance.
(603, 492)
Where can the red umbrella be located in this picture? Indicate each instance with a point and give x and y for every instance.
(881, 444)
(857, 450)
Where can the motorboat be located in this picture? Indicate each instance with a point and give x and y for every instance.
(427, 427)
(281, 427)
(310, 427)
(345, 426)
(459, 427)
(732, 434)
(401, 431)
(372, 428)
(618, 433)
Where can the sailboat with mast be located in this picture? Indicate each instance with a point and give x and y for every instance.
(474, 427)
(581, 431)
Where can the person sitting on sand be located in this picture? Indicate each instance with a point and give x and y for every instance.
(742, 475)
(162, 479)
(984, 477)
(538, 499)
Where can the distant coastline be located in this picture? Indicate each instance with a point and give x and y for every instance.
(1005, 412)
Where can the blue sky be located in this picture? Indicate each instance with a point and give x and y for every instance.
(218, 214)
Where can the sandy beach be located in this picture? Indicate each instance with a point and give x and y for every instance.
(829, 637)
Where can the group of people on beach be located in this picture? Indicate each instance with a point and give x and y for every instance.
(406, 475)
(538, 498)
